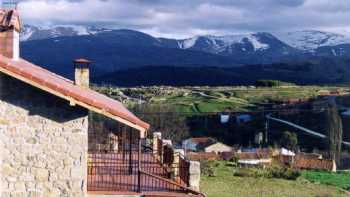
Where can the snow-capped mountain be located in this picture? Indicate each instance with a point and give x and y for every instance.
(242, 44)
(308, 56)
(310, 40)
(221, 43)
(30, 32)
(121, 49)
(306, 41)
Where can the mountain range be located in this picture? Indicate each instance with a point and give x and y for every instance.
(117, 50)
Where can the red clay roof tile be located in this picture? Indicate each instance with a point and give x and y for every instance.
(67, 88)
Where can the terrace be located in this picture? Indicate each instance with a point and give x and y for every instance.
(122, 162)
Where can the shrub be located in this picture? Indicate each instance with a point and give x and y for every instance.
(271, 172)
(208, 168)
(271, 83)
(284, 173)
(291, 174)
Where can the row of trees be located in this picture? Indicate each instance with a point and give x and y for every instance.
(334, 132)
(271, 83)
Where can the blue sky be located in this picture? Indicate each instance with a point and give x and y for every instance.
(183, 18)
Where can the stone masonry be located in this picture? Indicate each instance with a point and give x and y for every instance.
(43, 143)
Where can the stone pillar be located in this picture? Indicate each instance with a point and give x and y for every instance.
(156, 136)
(113, 142)
(178, 153)
(195, 175)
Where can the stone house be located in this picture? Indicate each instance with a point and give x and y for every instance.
(253, 159)
(205, 144)
(197, 144)
(218, 147)
(44, 131)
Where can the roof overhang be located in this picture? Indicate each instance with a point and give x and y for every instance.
(11, 68)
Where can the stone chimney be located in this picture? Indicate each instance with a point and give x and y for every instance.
(82, 72)
(10, 27)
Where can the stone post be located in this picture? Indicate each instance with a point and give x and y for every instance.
(178, 153)
(113, 142)
(195, 175)
(156, 136)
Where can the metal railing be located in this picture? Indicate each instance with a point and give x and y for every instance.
(143, 173)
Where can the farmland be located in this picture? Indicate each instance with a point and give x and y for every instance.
(213, 99)
(339, 179)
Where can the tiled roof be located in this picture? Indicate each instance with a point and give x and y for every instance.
(251, 155)
(202, 140)
(65, 88)
(199, 156)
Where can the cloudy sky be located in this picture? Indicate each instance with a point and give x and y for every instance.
(183, 18)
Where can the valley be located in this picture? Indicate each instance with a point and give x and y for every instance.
(211, 98)
(205, 99)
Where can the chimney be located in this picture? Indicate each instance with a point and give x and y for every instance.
(82, 72)
(10, 27)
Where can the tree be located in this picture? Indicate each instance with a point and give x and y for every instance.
(335, 131)
(289, 140)
(164, 119)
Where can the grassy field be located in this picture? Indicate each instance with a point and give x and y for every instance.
(224, 184)
(340, 179)
(212, 99)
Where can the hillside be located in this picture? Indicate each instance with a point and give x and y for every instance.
(110, 53)
(317, 71)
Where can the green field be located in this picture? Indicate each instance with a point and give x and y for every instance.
(340, 179)
(224, 184)
(213, 99)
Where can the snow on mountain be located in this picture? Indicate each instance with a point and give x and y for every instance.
(187, 43)
(282, 43)
(219, 44)
(43, 32)
(310, 40)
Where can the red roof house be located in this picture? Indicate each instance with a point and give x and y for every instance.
(46, 135)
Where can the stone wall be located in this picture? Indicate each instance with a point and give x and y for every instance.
(43, 143)
(195, 175)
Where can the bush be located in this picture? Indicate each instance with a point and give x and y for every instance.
(271, 83)
(267, 83)
(291, 174)
(270, 172)
(208, 168)
(284, 173)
